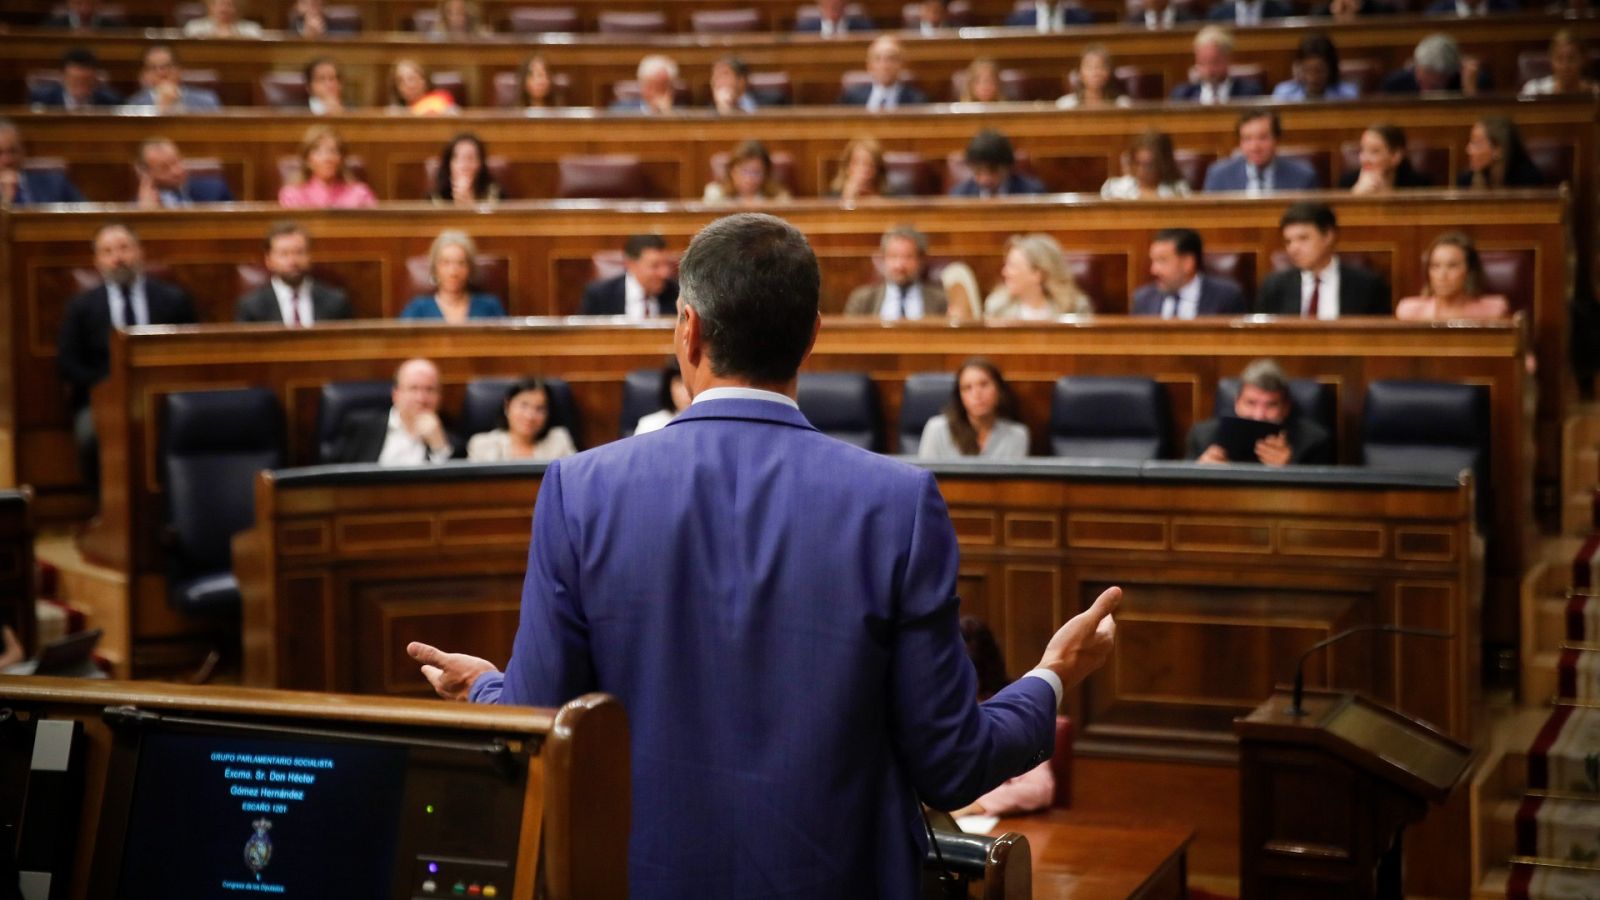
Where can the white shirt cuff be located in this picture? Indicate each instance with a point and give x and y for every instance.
(1050, 678)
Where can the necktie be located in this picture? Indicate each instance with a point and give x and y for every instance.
(119, 295)
(1253, 180)
(1169, 307)
(1316, 292)
(294, 311)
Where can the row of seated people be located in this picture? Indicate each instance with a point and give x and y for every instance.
(464, 19)
(325, 174)
(1437, 66)
(1035, 284)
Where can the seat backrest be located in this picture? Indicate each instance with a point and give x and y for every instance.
(641, 396)
(54, 164)
(283, 90)
(1320, 161)
(490, 274)
(908, 172)
(1020, 85)
(611, 176)
(925, 395)
(808, 15)
(1428, 426)
(485, 398)
(842, 405)
(1509, 272)
(338, 400)
(1192, 165)
(213, 444)
(1139, 84)
(1109, 417)
(744, 20)
(631, 23)
(1253, 74)
(343, 18)
(771, 88)
(1553, 158)
(1307, 397)
(1237, 266)
(542, 19)
(186, 12)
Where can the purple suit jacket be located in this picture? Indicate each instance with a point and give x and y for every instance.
(786, 647)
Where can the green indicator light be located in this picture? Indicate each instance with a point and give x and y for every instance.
(429, 809)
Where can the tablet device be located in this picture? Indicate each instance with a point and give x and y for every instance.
(1238, 436)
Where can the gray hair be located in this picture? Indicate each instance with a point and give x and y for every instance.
(753, 281)
(1266, 375)
(1214, 34)
(908, 233)
(1438, 53)
(654, 63)
(452, 237)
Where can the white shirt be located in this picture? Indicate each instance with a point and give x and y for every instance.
(901, 303)
(1162, 22)
(1327, 297)
(402, 448)
(635, 305)
(1211, 94)
(137, 302)
(1467, 10)
(744, 393)
(882, 97)
(1185, 304)
(291, 301)
(1247, 12)
(1257, 179)
(831, 29)
(654, 421)
(1047, 18)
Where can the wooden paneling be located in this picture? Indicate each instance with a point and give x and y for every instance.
(1202, 635)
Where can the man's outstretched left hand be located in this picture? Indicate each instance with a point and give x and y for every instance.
(451, 674)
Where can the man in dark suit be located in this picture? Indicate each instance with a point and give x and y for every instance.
(1264, 396)
(645, 288)
(1181, 290)
(1469, 9)
(903, 293)
(408, 433)
(1320, 286)
(79, 87)
(290, 296)
(832, 21)
(788, 649)
(1249, 13)
(83, 14)
(1437, 66)
(125, 298)
(885, 90)
(20, 186)
(1256, 168)
(1045, 17)
(1160, 15)
(991, 161)
(165, 184)
(1209, 82)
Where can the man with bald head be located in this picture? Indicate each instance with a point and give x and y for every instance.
(885, 90)
(409, 432)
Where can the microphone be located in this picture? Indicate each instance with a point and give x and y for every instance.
(1295, 709)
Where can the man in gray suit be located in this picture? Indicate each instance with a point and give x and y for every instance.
(161, 80)
(290, 297)
(1180, 289)
(903, 294)
(1256, 168)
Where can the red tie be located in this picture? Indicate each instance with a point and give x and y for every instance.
(294, 312)
(1316, 289)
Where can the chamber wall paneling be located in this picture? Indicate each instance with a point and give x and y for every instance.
(1228, 579)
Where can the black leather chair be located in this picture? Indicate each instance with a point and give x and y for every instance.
(341, 398)
(213, 444)
(1428, 426)
(641, 396)
(843, 405)
(926, 393)
(1109, 417)
(480, 409)
(1307, 396)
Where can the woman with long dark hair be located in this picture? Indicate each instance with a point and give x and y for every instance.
(980, 418)
(463, 177)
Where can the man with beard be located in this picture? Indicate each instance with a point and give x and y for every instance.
(290, 297)
(126, 298)
(903, 294)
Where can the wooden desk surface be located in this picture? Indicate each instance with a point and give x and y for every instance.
(1087, 857)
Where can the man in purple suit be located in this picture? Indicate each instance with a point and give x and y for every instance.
(787, 646)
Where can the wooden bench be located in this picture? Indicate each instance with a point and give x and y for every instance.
(1229, 575)
(547, 790)
(596, 63)
(541, 255)
(1186, 358)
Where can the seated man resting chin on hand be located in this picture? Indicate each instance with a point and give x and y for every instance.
(1264, 397)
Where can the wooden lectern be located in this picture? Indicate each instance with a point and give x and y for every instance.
(1324, 796)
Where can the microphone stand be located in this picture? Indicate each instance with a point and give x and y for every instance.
(1295, 708)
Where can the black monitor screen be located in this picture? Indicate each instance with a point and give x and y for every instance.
(224, 815)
